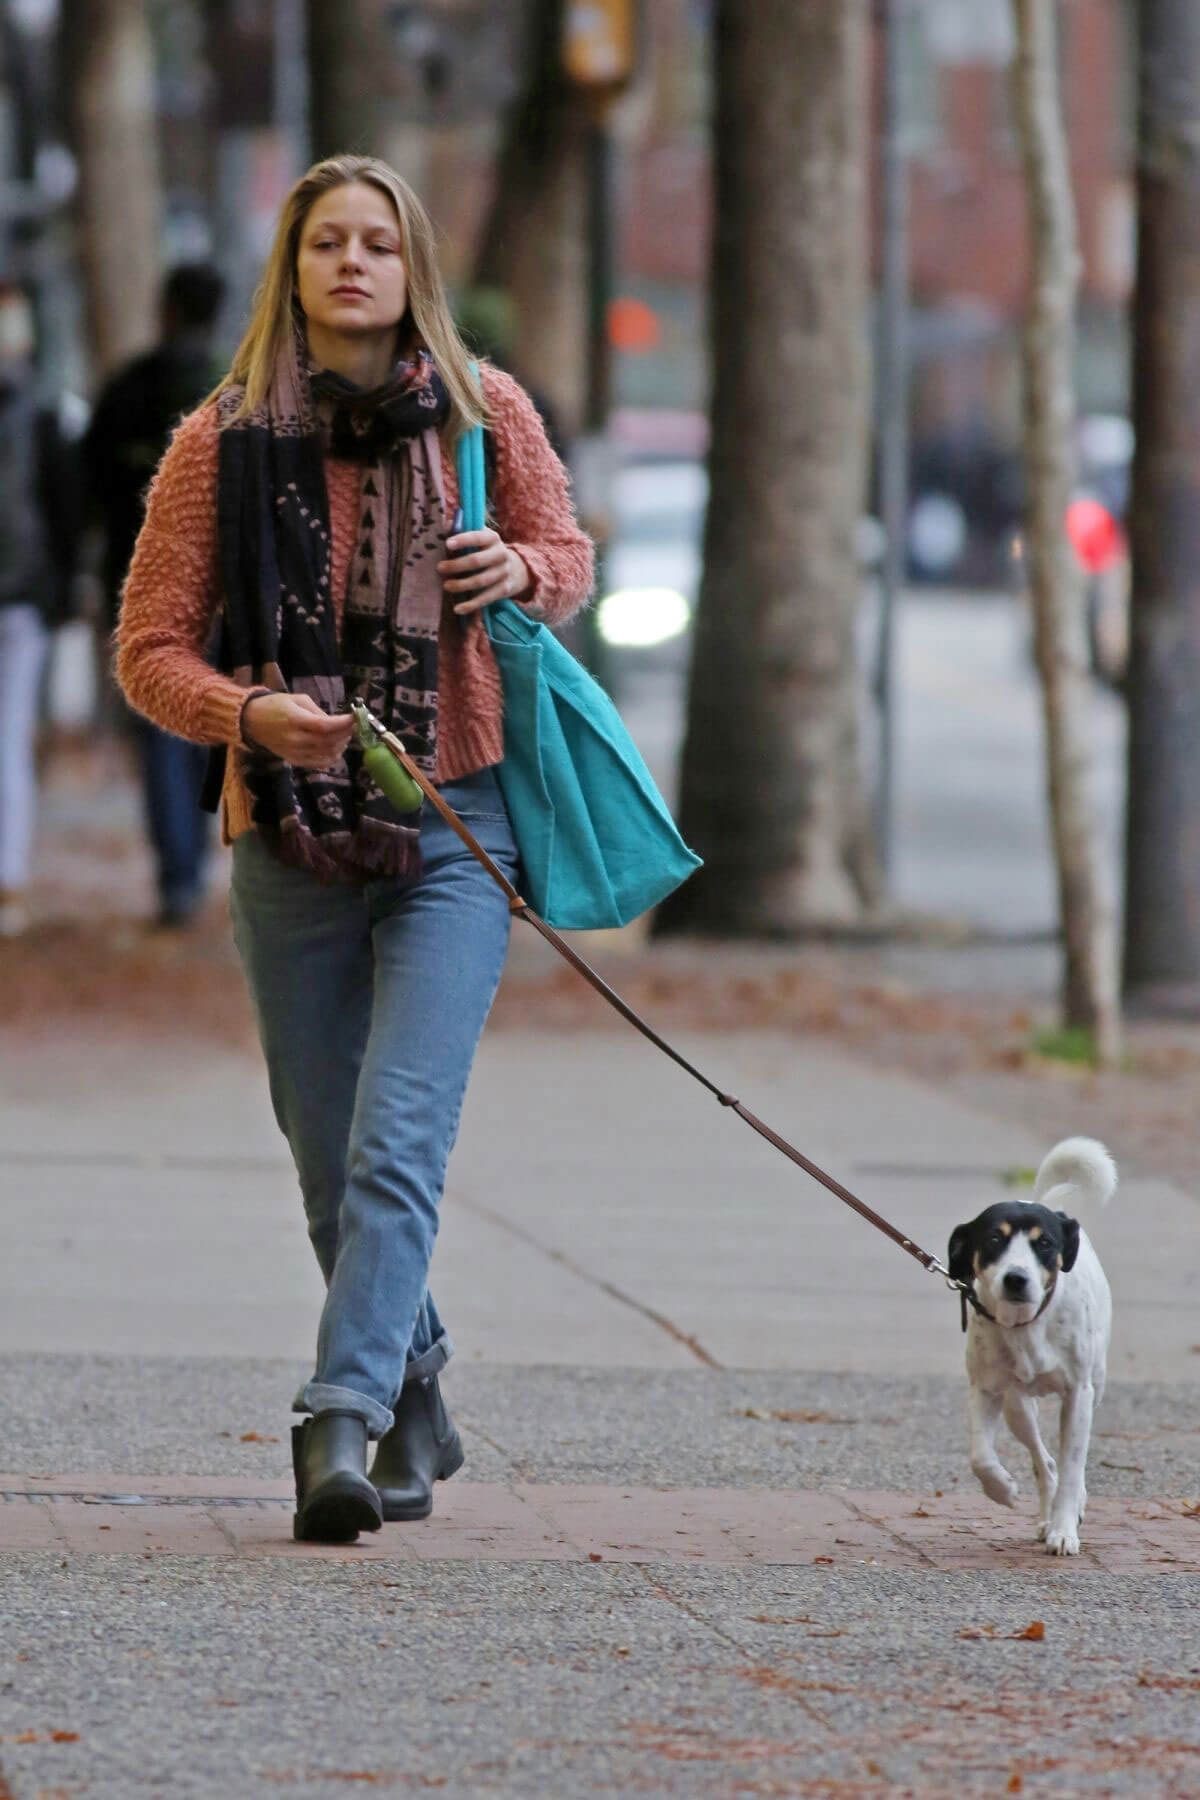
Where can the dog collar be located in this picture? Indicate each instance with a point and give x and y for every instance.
(969, 1296)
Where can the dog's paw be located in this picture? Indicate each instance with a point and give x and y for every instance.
(1062, 1540)
(998, 1484)
(1043, 1528)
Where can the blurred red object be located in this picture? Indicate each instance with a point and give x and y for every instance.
(633, 326)
(1096, 537)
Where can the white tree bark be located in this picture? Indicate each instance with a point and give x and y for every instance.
(111, 72)
(1090, 985)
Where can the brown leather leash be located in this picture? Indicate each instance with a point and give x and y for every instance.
(521, 909)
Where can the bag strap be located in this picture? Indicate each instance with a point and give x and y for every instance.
(472, 480)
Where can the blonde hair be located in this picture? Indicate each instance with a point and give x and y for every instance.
(277, 303)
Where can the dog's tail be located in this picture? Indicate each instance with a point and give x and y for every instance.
(1077, 1170)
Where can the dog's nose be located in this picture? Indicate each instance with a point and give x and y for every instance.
(1015, 1283)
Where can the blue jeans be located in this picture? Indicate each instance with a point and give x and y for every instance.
(370, 1003)
(172, 776)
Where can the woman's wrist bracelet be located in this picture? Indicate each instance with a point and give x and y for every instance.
(254, 694)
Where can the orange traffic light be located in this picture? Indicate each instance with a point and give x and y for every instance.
(598, 42)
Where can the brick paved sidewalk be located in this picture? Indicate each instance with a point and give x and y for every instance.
(528, 1522)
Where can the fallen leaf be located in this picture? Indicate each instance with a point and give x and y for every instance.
(1032, 1633)
(1168, 1684)
(822, 1559)
(64, 1737)
(1015, 1784)
(793, 1416)
(256, 1437)
(595, 1556)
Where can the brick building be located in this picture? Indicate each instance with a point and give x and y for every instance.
(969, 242)
(969, 254)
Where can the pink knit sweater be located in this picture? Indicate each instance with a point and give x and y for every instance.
(172, 593)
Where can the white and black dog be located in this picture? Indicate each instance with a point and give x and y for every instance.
(1044, 1329)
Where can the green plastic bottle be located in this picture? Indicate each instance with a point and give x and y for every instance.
(389, 776)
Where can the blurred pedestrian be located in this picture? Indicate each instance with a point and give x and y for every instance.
(39, 516)
(135, 413)
(316, 497)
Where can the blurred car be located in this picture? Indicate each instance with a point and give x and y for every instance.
(653, 561)
(967, 498)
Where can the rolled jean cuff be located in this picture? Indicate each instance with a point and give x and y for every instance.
(316, 1398)
(431, 1362)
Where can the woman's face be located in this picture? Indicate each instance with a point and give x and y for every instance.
(350, 272)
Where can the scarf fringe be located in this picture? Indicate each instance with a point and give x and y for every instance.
(375, 851)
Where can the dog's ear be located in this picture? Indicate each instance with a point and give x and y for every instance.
(1070, 1245)
(959, 1255)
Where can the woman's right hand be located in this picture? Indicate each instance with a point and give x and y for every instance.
(293, 727)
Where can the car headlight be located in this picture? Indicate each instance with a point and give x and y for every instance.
(638, 617)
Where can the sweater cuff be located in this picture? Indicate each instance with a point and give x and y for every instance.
(221, 712)
(535, 599)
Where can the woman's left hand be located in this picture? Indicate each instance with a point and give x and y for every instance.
(485, 570)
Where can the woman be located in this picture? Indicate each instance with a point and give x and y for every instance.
(311, 502)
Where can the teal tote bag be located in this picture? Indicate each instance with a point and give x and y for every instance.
(597, 843)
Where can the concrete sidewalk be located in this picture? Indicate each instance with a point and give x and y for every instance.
(602, 1211)
(716, 1534)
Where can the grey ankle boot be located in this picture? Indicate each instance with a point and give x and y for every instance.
(422, 1447)
(334, 1499)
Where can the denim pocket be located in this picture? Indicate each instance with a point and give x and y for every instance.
(475, 796)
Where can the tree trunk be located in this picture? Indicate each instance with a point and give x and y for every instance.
(534, 242)
(345, 43)
(109, 62)
(360, 103)
(1162, 917)
(1089, 990)
(772, 793)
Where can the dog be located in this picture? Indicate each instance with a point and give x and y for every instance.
(1044, 1328)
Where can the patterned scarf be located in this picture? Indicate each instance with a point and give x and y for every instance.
(280, 621)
